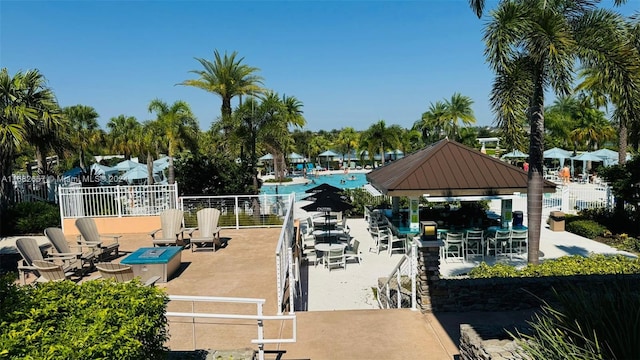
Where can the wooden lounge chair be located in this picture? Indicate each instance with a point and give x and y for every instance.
(59, 241)
(208, 229)
(171, 229)
(121, 273)
(30, 251)
(92, 240)
(50, 271)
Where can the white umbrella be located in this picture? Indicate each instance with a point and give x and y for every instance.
(105, 173)
(161, 163)
(609, 157)
(266, 157)
(584, 157)
(137, 173)
(515, 154)
(126, 165)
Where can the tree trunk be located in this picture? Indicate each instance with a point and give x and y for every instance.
(622, 159)
(172, 172)
(535, 176)
(84, 170)
(150, 180)
(40, 160)
(382, 154)
(6, 187)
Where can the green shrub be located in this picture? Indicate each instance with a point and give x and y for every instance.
(94, 320)
(31, 217)
(587, 228)
(563, 266)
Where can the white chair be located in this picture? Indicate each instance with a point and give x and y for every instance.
(353, 252)
(474, 244)
(454, 247)
(519, 242)
(380, 240)
(336, 258)
(395, 243)
(500, 243)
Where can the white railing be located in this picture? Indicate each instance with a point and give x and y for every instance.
(116, 201)
(286, 275)
(572, 198)
(239, 211)
(403, 273)
(259, 317)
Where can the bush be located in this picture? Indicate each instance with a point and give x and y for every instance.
(586, 228)
(563, 266)
(94, 320)
(31, 217)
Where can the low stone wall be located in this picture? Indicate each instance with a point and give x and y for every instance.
(487, 344)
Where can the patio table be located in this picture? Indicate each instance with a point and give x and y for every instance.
(148, 262)
(326, 247)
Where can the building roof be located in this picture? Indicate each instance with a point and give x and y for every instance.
(447, 168)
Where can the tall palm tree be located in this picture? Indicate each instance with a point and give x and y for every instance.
(179, 127)
(458, 109)
(27, 106)
(85, 131)
(226, 77)
(122, 134)
(379, 137)
(532, 46)
(347, 141)
(433, 122)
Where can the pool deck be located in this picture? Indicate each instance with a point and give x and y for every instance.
(343, 321)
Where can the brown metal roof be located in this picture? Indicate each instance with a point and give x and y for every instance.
(448, 168)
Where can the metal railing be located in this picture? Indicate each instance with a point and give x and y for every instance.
(572, 198)
(239, 211)
(116, 201)
(259, 317)
(393, 293)
(285, 275)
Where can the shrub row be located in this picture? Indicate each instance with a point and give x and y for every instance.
(31, 218)
(563, 266)
(586, 228)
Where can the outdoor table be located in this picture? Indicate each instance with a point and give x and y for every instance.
(148, 262)
(326, 247)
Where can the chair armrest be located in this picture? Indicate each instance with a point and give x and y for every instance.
(114, 237)
(63, 255)
(190, 231)
(154, 232)
(152, 281)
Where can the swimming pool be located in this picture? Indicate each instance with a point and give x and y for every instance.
(350, 181)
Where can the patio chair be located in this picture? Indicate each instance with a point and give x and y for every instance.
(454, 247)
(500, 243)
(57, 238)
(519, 242)
(380, 240)
(121, 273)
(171, 228)
(50, 271)
(208, 229)
(307, 234)
(353, 252)
(395, 243)
(30, 252)
(90, 238)
(336, 258)
(474, 244)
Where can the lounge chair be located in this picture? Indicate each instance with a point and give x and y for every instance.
(57, 238)
(121, 273)
(50, 271)
(208, 229)
(30, 251)
(171, 228)
(92, 240)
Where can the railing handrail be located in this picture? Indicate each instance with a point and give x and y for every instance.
(216, 299)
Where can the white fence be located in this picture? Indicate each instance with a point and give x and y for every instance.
(572, 198)
(287, 275)
(399, 290)
(256, 316)
(116, 201)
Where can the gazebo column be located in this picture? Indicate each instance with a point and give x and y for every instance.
(395, 206)
(506, 212)
(414, 213)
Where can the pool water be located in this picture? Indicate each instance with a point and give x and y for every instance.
(350, 181)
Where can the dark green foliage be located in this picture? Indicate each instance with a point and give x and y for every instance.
(587, 228)
(564, 266)
(31, 218)
(94, 320)
(587, 325)
(361, 198)
(219, 175)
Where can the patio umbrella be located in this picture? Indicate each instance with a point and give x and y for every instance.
(326, 193)
(126, 165)
(323, 187)
(584, 157)
(296, 158)
(609, 157)
(137, 173)
(327, 203)
(266, 157)
(516, 154)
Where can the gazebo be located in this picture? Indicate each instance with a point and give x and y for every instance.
(449, 171)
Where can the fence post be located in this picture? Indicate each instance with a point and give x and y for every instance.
(414, 274)
(119, 200)
(61, 206)
(237, 212)
(565, 206)
(609, 197)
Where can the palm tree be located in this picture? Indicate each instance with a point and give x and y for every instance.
(179, 127)
(433, 122)
(85, 131)
(379, 137)
(458, 109)
(122, 134)
(27, 107)
(532, 45)
(226, 77)
(347, 140)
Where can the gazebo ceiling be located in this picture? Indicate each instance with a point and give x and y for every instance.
(450, 169)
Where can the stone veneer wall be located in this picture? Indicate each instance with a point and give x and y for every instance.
(495, 294)
(486, 344)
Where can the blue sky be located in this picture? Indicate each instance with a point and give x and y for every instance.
(350, 63)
